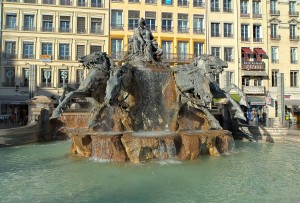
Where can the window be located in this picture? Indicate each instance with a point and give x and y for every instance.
(48, 1)
(215, 29)
(257, 33)
(294, 78)
(116, 20)
(63, 77)
(183, 23)
(198, 48)
(46, 48)
(228, 54)
(10, 50)
(151, 1)
(273, 6)
(217, 78)
(167, 22)
(96, 25)
(167, 2)
(293, 32)
(198, 3)
(215, 51)
(9, 77)
(25, 79)
(64, 51)
(28, 50)
(183, 2)
(81, 3)
(274, 78)
(97, 3)
(246, 81)
(64, 25)
(95, 48)
(215, 7)
(66, 2)
(228, 30)
(245, 8)
(116, 48)
(47, 23)
(227, 5)
(79, 76)
(29, 23)
(150, 20)
(167, 49)
(275, 58)
(46, 78)
(292, 7)
(274, 31)
(256, 7)
(11, 21)
(182, 51)
(81, 25)
(229, 78)
(245, 33)
(294, 55)
(198, 24)
(133, 18)
(80, 50)
(257, 82)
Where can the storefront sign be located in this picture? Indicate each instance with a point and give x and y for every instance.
(45, 58)
(254, 90)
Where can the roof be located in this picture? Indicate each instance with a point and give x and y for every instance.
(260, 51)
(247, 50)
(13, 99)
(254, 73)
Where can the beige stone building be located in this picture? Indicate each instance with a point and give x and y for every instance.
(49, 35)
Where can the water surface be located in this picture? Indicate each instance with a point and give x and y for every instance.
(256, 172)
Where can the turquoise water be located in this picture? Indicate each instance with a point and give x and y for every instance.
(256, 172)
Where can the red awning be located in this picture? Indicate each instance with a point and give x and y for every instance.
(259, 51)
(246, 50)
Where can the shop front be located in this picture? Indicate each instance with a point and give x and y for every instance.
(13, 109)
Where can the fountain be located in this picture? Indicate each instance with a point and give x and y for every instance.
(145, 110)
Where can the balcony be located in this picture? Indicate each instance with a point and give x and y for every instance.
(97, 5)
(80, 3)
(151, 1)
(65, 30)
(81, 31)
(9, 56)
(227, 10)
(257, 39)
(28, 56)
(46, 84)
(198, 4)
(49, 2)
(134, 1)
(245, 39)
(245, 15)
(10, 27)
(166, 29)
(178, 58)
(274, 12)
(198, 31)
(254, 89)
(153, 28)
(47, 29)
(183, 30)
(60, 85)
(253, 65)
(294, 13)
(183, 3)
(30, 1)
(275, 61)
(117, 26)
(65, 58)
(215, 34)
(117, 56)
(215, 9)
(257, 15)
(294, 38)
(117, 1)
(28, 28)
(12, 1)
(167, 2)
(132, 26)
(294, 61)
(229, 59)
(8, 84)
(96, 31)
(275, 37)
(65, 2)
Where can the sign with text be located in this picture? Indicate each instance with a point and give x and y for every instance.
(254, 90)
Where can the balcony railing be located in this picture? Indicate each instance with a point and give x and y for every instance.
(81, 31)
(245, 39)
(28, 56)
(117, 26)
(229, 59)
(275, 37)
(132, 26)
(66, 58)
(257, 15)
(96, 31)
(47, 29)
(227, 10)
(183, 30)
(30, 1)
(275, 60)
(134, 1)
(253, 65)
(48, 1)
(10, 56)
(153, 28)
(151, 1)
(167, 2)
(245, 15)
(46, 84)
(214, 34)
(215, 9)
(294, 62)
(294, 13)
(65, 30)
(79, 3)
(166, 29)
(294, 37)
(256, 39)
(198, 31)
(12, 0)
(24, 84)
(117, 0)
(228, 35)
(10, 27)
(254, 89)
(98, 5)
(274, 12)
(8, 84)
(65, 2)
(183, 3)
(28, 28)
(117, 56)
(178, 58)
(59, 85)
(199, 4)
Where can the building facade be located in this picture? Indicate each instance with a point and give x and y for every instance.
(48, 35)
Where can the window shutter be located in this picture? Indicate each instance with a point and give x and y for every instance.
(134, 14)
(80, 50)
(150, 15)
(182, 16)
(167, 15)
(95, 48)
(80, 23)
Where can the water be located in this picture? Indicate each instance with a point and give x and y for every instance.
(256, 172)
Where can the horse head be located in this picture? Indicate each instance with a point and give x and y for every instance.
(210, 64)
(96, 59)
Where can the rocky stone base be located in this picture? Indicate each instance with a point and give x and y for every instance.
(185, 145)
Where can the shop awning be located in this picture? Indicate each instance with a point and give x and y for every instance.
(292, 103)
(246, 50)
(260, 51)
(13, 99)
(254, 73)
(256, 100)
